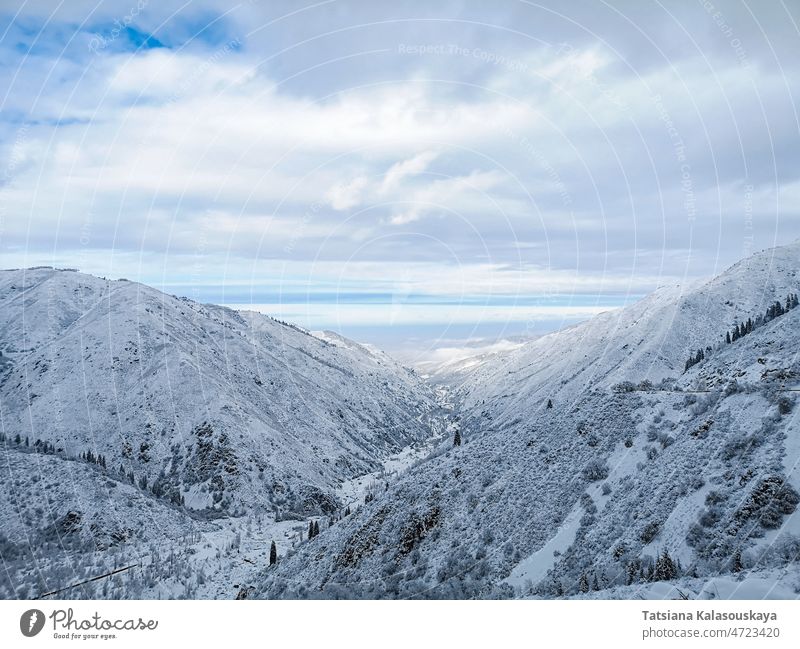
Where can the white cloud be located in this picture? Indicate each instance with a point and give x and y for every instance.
(177, 150)
(410, 167)
(456, 195)
(347, 195)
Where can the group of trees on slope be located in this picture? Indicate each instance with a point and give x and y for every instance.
(775, 310)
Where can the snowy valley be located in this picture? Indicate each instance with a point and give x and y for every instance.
(178, 441)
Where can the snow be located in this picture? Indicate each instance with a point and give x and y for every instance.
(301, 425)
(748, 588)
(352, 492)
(112, 366)
(515, 493)
(791, 455)
(534, 568)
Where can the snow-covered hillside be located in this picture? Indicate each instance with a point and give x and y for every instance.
(592, 461)
(180, 441)
(650, 339)
(204, 408)
(225, 410)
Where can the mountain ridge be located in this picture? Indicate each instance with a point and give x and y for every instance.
(595, 462)
(568, 477)
(139, 371)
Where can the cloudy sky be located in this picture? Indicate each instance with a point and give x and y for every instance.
(412, 174)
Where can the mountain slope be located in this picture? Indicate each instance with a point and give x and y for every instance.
(650, 339)
(220, 410)
(634, 457)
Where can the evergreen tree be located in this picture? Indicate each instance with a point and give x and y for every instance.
(549, 404)
(583, 583)
(595, 583)
(632, 570)
(457, 438)
(316, 528)
(273, 554)
(694, 359)
(665, 568)
(310, 530)
(728, 337)
(736, 562)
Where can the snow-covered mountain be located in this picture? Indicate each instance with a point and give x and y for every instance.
(593, 460)
(650, 339)
(637, 454)
(216, 409)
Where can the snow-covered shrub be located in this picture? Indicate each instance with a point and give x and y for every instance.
(587, 502)
(785, 548)
(732, 387)
(785, 405)
(710, 516)
(771, 500)
(736, 446)
(649, 532)
(596, 470)
(697, 482)
(695, 536)
(666, 440)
